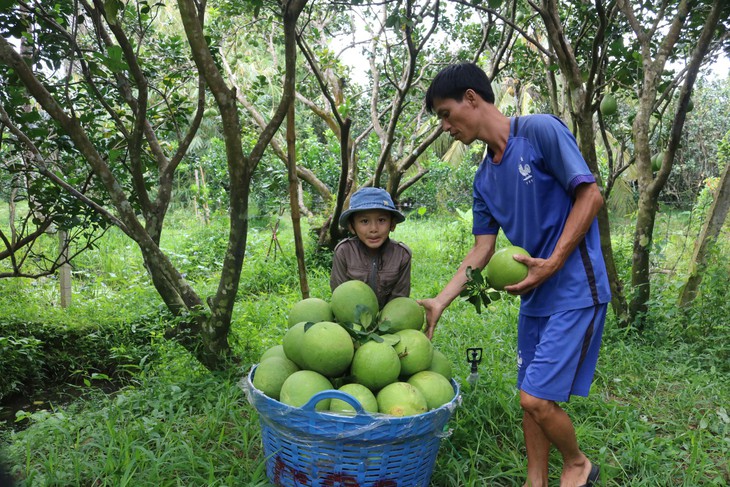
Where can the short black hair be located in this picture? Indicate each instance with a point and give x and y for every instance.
(454, 80)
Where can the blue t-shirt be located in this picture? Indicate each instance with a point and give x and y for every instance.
(529, 195)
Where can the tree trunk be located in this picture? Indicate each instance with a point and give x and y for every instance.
(707, 238)
(64, 272)
(643, 234)
(294, 201)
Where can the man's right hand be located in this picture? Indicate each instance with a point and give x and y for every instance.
(434, 309)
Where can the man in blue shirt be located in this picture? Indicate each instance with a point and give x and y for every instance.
(534, 185)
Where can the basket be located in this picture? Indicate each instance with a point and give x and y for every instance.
(307, 448)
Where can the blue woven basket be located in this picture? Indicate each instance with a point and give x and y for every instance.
(304, 447)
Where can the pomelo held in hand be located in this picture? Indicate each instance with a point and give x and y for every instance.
(401, 399)
(403, 313)
(503, 270)
(327, 348)
(299, 388)
(347, 296)
(310, 309)
(375, 365)
(435, 388)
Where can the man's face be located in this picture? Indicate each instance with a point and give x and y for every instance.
(458, 118)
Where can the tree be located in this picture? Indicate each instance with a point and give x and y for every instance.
(717, 214)
(666, 29)
(120, 113)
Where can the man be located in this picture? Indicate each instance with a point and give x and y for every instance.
(534, 185)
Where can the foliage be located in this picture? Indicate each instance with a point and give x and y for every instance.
(478, 291)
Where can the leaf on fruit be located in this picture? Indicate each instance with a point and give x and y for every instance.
(363, 316)
(390, 339)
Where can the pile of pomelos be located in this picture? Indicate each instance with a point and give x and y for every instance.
(379, 356)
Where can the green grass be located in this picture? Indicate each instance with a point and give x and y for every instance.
(657, 414)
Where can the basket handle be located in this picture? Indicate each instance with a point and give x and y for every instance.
(333, 394)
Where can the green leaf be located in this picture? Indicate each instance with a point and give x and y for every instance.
(391, 339)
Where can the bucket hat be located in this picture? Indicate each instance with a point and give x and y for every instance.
(369, 198)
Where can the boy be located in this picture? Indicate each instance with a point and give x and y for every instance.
(534, 185)
(371, 256)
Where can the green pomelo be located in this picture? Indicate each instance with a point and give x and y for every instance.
(375, 365)
(327, 348)
(401, 399)
(656, 161)
(363, 395)
(275, 351)
(494, 4)
(503, 270)
(292, 343)
(442, 365)
(310, 309)
(690, 105)
(608, 105)
(415, 352)
(403, 313)
(435, 388)
(300, 386)
(348, 296)
(271, 373)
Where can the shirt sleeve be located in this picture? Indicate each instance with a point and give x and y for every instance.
(482, 221)
(339, 268)
(559, 151)
(402, 286)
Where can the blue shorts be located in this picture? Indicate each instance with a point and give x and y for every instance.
(557, 355)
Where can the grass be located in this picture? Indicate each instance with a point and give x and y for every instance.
(657, 414)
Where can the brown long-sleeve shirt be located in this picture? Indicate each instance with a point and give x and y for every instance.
(387, 272)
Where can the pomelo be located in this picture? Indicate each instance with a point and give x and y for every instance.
(415, 352)
(271, 373)
(503, 270)
(656, 161)
(300, 386)
(310, 309)
(435, 388)
(402, 313)
(401, 399)
(375, 365)
(608, 105)
(363, 395)
(348, 296)
(275, 351)
(327, 348)
(292, 343)
(442, 365)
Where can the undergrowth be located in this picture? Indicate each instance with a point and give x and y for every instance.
(657, 414)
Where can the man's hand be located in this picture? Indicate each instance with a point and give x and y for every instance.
(434, 309)
(539, 271)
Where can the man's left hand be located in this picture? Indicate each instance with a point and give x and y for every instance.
(539, 271)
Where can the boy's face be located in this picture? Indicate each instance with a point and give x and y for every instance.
(372, 227)
(458, 118)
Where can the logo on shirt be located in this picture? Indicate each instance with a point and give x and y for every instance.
(525, 171)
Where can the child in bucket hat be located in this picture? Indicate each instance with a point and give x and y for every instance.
(371, 255)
